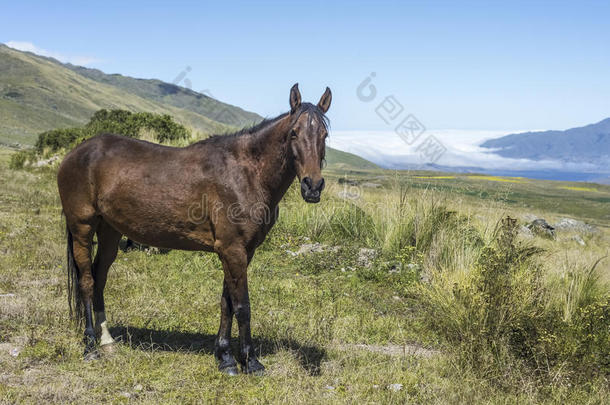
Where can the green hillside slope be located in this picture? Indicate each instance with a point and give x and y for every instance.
(37, 94)
(343, 160)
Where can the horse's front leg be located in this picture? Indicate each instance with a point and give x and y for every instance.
(235, 263)
(222, 349)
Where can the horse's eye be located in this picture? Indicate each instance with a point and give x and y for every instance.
(293, 134)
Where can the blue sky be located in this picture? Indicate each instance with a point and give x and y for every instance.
(467, 65)
(469, 70)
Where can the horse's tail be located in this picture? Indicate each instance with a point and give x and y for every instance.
(75, 302)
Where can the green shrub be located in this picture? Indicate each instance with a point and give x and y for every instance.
(57, 139)
(21, 158)
(499, 318)
(18, 160)
(116, 122)
(130, 124)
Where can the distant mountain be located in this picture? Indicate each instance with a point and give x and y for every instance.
(588, 144)
(39, 93)
(177, 96)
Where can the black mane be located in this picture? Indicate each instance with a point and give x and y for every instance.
(304, 108)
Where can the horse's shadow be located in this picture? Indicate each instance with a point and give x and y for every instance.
(310, 356)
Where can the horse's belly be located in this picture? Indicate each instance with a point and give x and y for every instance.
(168, 227)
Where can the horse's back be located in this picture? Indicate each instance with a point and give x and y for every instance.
(141, 189)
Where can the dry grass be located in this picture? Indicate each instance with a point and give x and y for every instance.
(328, 329)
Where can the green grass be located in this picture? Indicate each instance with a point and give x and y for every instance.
(309, 311)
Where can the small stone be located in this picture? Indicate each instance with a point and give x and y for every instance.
(395, 387)
(329, 387)
(541, 228)
(526, 232)
(126, 394)
(138, 387)
(569, 224)
(578, 240)
(15, 351)
(394, 269)
(308, 248)
(366, 257)
(396, 297)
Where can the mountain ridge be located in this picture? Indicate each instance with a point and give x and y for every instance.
(589, 143)
(173, 94)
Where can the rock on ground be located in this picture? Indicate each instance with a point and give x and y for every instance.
(569, 224)
(46, 162)
(309, 248)
(366, 257)
(541, 228)
(526, 232)
(371, 185)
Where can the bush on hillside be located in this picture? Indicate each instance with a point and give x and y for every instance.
(57, 139)
(113, 121)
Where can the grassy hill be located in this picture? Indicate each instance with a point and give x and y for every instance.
(338, 159)
(38, 94)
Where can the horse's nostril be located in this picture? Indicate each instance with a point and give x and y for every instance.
(320, 185)
(307, 181)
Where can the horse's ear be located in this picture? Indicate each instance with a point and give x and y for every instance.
(324, 103)
(295, 98)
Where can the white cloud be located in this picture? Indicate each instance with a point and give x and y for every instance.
(387, 149)
(30, 47)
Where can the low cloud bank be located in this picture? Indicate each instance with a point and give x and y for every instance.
(388, 150)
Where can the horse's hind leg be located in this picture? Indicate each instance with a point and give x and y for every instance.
(108, 242)
(82, 238)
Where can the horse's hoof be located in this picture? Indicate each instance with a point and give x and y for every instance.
(230, 371)
(228, 365)
(108, 348)
(254, 367)
(91, 355)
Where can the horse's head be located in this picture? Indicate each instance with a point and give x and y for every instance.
(308, 142)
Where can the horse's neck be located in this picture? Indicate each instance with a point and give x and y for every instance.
(274, 157)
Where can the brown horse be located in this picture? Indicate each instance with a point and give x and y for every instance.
(218, 195)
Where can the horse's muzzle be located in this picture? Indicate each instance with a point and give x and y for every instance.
(311, 192)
